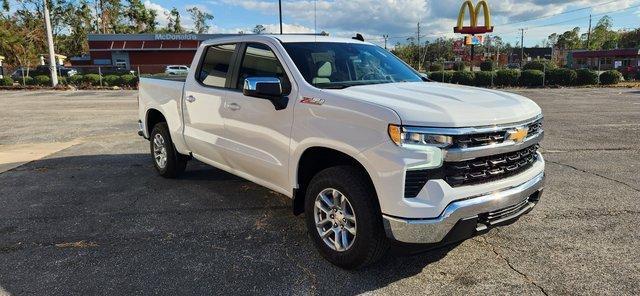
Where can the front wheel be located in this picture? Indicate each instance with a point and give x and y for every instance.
(167, 161)
(343, 218)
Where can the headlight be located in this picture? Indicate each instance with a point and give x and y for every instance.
(406, 138)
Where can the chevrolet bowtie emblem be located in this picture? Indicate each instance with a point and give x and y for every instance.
(518, 135)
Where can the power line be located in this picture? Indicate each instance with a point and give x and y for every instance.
(557, 14)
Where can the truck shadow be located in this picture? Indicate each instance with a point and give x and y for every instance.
(206, 232)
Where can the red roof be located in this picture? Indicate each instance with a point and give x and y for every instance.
(620, 53)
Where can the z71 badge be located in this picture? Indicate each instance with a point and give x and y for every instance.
(312, 101)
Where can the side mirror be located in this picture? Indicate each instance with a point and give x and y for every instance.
(269, 88)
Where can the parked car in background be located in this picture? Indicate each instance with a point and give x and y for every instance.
(21, 72)
(62, 71)
(366, 147)
(177, 70)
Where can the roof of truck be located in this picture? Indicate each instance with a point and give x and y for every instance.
(313, 38)
(285, 38)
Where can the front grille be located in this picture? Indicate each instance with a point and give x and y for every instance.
(472, 172)
(485, 169)
(490, 138)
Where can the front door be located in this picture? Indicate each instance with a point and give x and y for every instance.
(120, 59)
(203, 104)
(260, 133)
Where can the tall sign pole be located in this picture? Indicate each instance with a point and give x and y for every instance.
(280, 9)
(52, 52)
(473, 28)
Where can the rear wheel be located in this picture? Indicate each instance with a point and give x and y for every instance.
(343, 218)
(167, 161)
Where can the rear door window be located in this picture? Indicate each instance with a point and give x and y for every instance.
(214, 69)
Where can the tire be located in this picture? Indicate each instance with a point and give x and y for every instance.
(174, 163)
(370, 242)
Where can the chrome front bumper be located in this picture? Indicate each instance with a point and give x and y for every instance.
(511, 203)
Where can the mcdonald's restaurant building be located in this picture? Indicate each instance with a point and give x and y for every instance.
(150, 53)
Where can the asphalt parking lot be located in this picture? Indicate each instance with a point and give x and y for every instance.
(93, 218)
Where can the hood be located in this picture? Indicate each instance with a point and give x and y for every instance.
(434, 104)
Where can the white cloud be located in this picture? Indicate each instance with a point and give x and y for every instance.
(161, 12)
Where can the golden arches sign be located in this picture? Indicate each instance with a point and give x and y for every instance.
(474, 13)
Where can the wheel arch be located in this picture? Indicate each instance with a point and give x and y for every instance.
(315, 159)
(153, 117)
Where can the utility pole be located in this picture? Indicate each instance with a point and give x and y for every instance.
(419, 65)
(589, 33)
(386, 37)
(280, 9)
(52, 52)
(521, 48)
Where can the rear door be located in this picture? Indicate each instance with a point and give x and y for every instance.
(203, 103)
(259, 133)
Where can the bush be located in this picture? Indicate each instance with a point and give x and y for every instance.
(76, 80)
(42, 80)
(112, 80)
(26, 81)
(507, 77)
(610, 77)
(7, 81)
(92, 79)
(540, 65)
(129, 80)
(442, 76)
(459, 66)
(463, 77)
(485, 78)
(62, 80)
(435, 68)
(531, 78)
(586, 77)
(563, 77)
(487, 65)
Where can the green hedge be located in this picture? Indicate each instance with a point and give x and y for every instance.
(6, 81)
(441, 76)
(487, 65)
(92, 79)
(562, 77)
(586, 77)
(531, 78)
(112, 80)
(507, 77)
(540, 65)
(463, 77)
(62, 80)
(485, 78)
(42, 80)
(26, 81)
(610, 77)
(435, 68)
(129, 80)
(76, 80)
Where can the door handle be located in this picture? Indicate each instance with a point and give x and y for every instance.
(233, 107)
(191, 99)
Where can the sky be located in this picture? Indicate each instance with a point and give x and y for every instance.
(399, 18)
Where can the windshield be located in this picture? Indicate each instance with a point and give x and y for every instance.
(341, 65)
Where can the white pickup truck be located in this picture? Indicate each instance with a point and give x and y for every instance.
(369, 150)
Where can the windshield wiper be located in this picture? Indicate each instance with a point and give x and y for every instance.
(336, 86)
